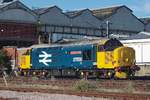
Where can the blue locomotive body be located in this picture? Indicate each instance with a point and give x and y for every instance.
(103, 59)
(64, 57)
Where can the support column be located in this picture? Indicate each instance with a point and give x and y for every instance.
(39, 39)
(50, 38)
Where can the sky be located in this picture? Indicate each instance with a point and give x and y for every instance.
(141, 8)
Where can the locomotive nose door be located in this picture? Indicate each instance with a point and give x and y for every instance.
(124, 56)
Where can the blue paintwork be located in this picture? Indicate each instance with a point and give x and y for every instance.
(61, 57)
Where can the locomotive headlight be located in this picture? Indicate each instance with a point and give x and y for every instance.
(127, 59)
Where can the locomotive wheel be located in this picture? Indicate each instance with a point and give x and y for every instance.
(111, 74)
(108, 74)
(78, 74)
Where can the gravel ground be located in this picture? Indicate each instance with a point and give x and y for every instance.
(13, 95)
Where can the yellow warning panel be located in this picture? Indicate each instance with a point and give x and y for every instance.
(104, 60)
(25, 62)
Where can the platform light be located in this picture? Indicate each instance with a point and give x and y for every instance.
(2, 30)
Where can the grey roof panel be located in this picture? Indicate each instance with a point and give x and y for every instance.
(44, 10)
(107, 12)
(72, 13)
(75, 13)
(145, 20)
(3, 5)
(99, 13)
(40, 10)
(6, 1)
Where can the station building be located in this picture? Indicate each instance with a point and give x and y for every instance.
(22, 26)
(123, 23)
(93, 23)
(60, 25)
(17, 24)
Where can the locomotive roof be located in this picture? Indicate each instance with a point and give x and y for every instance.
(100, 41)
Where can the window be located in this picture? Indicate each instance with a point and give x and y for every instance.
(87, 55)
(112, 44)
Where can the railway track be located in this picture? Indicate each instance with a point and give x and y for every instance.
(64, 85)
(113, 96)
(138, 85)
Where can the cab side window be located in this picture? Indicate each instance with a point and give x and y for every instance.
(87, 55)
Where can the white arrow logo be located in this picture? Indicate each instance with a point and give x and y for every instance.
(44, 55)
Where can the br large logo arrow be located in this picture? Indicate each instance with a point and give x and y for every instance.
(45, 57)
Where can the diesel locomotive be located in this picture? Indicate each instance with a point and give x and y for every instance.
(104, 58)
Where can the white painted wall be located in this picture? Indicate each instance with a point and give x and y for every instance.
(17, 15)
(146, 52)
(142, 49)
(138, 50)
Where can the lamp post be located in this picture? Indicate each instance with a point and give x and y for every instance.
(107, 23)
(39, 31)
(107, 29)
